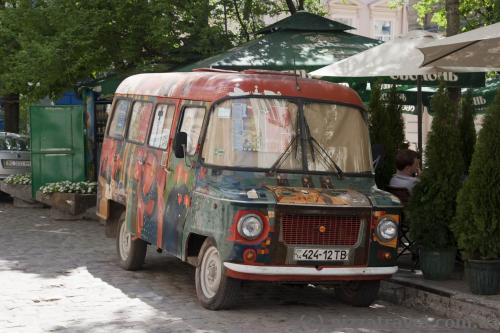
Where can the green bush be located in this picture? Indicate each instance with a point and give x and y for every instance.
(70, 187)
(477, 223)
(18, 179)
(467, 130)
(387, 129)
(433, 201)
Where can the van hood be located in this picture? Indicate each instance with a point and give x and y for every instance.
(318, 197)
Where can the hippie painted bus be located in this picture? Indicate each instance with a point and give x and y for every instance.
(248, 176)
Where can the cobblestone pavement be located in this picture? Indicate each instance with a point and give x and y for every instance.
(61, 276)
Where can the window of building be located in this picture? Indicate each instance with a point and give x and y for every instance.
(383, 30)
(191, 124)
(139, 122)
(162, 123)
(119, 121)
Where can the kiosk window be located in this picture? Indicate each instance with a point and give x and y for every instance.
(191, 124)
(119, 121)
(139, 122)
(162, 123)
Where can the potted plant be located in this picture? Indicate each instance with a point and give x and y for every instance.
(19, 188)
(71, 199)
(477, 222)
(433, 201)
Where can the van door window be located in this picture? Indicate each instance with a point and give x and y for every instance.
(191, 124)
(119, 121)
(139, 122)
(160, 132)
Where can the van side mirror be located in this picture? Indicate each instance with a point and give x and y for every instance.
(180, 142)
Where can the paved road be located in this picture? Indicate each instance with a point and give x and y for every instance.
(60, 276)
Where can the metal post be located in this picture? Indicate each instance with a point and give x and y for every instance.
(419, 115)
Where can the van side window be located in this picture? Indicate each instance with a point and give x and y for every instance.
(139, 122)
(119, 121)
(191, 124)
(162, 122)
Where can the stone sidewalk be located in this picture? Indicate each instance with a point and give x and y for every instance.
(61, 276)
(450, 298)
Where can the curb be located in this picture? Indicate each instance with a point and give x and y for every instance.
(442, 302)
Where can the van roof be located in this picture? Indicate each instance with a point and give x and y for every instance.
(209, 85)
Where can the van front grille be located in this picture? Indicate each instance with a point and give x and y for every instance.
(320, 229)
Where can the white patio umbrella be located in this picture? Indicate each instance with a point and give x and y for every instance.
(399, 56)
(477, 50)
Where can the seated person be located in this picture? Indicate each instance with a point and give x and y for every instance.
(408, 170)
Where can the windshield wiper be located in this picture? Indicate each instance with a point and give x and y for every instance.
(284, 155)
(323, 153)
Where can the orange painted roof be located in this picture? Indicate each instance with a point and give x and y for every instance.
(212, 85)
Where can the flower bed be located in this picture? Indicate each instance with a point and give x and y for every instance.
(71, 199)
(18, 180)
(19, 188)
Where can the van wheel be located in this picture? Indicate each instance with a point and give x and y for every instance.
(131, 252)
(214, 289)
(358, 293)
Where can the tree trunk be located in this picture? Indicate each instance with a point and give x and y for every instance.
(453, 28)
(11, 108)
(291, 6)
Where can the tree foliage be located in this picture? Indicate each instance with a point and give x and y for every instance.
(249, 14)
(433, 201)
(61, 42)
(386, 129)
(467, 129)
(473, 13)
(477, 222)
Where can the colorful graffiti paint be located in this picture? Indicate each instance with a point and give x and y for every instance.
(169, 199)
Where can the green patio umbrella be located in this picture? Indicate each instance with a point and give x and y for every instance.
(483, 97)
(302, 42)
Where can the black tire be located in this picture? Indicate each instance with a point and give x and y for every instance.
(130, 257)
(214, 296)
(358, 293)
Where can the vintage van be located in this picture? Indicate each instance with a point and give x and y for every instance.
(249, 175)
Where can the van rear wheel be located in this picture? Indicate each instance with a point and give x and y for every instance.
(358, 293)
(214, 289)
(131, 252)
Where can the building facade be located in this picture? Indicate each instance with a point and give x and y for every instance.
(378, 19)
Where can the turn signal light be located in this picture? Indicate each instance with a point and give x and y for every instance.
(384, 255)
(249, 255)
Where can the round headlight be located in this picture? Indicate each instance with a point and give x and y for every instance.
(387, 229)
(250, 226)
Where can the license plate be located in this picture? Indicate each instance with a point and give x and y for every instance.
(17, 164)
(321, 254)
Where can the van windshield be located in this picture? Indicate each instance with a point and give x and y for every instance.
(267, 133)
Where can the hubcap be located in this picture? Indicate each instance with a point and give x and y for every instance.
(211, 272)
(124, 242)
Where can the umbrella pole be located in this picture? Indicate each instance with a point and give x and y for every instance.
(419, 115)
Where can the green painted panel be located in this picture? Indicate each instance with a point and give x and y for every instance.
(57, 144)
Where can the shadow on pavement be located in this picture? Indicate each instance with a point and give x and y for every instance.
(68, 269)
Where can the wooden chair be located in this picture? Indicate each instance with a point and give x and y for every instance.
(406, 244)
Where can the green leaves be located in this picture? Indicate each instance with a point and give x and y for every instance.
(387, 129)
(473, 13)
(70, 187)
(433, 201)
(467, 129)
(477, 222)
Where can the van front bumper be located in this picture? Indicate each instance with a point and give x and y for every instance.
(301, 273)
